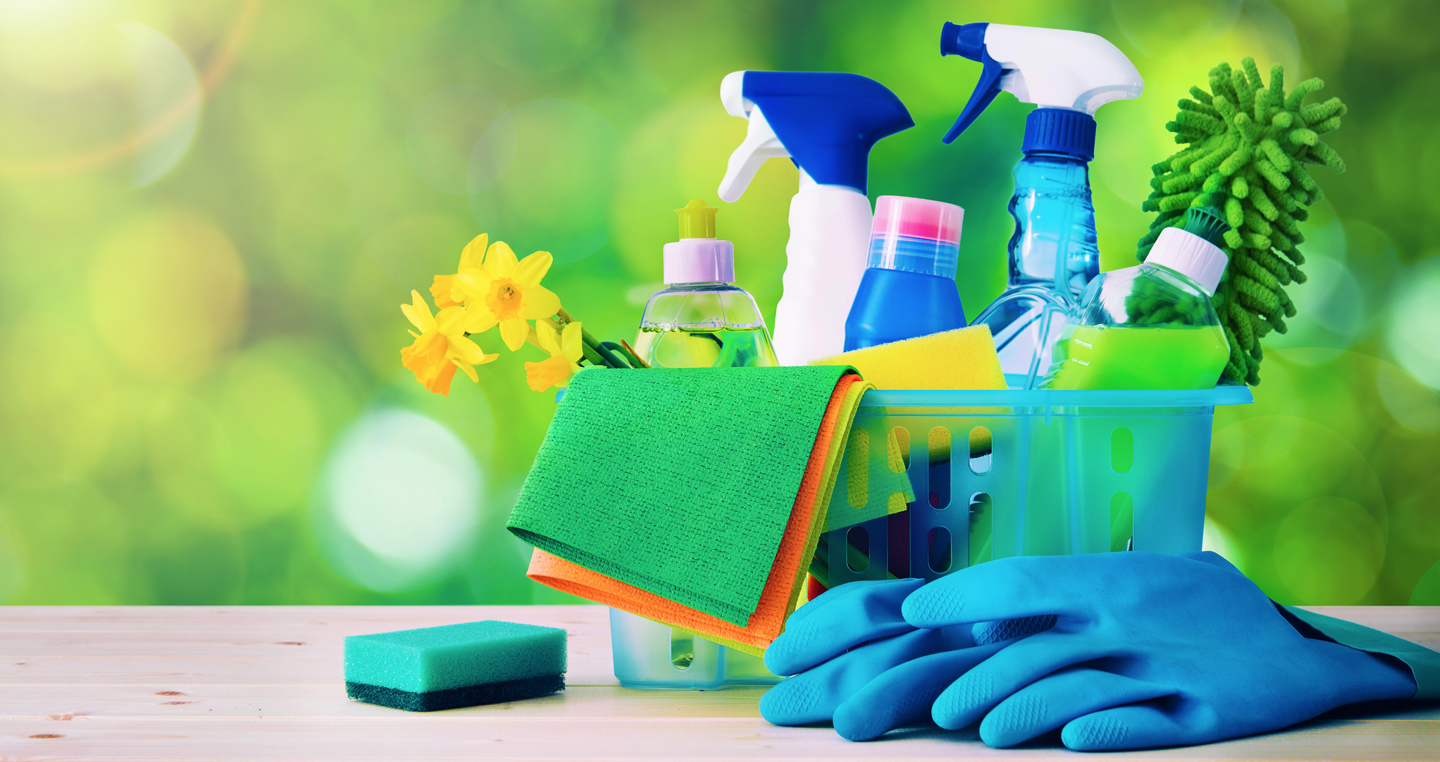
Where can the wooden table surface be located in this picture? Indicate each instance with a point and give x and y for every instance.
(267, 682)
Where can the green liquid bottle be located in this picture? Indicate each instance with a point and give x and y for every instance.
(1152, 326)
(702, 319)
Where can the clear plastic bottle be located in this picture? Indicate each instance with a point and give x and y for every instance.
(702, 319)
(1152, 326)
(1053, 255)
(1069, 75)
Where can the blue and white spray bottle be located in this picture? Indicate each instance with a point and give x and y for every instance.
(826, 123)
(1053, 253)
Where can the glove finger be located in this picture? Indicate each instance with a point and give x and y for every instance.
(813, 695)
(1127, 727)
(831, 596)
(864, 613)
(1053, 701)
(902, 695)
(979, 690)
(985, 633)
(1007, 588)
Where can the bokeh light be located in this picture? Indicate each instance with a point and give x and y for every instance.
(168, 293)
(398, 501)
(556, 194)
(1329, 551)
(1217, 539)
(167, 100)
(447, 131)
(1413, 333)
(1427, 590)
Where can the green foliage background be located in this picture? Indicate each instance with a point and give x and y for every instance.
(202, 400)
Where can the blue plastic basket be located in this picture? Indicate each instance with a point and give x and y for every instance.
(1064, 472)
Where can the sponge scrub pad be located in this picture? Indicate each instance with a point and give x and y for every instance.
(456, 665)
(964, 358)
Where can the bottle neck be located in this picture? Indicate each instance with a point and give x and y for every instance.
(808, 184)
(1057, 156)
(1054, 245)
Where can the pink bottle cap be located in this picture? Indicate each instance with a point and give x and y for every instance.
(916, 235)
(917, 218)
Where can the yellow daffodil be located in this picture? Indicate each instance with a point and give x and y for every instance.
(565, 349)
(440, 347)
(472, 256)
(507, 292)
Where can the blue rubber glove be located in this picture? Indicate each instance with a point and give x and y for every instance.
(1149, 650)
(858, 663)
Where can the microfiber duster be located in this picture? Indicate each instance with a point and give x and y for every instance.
(1248, 147)
(456, 665)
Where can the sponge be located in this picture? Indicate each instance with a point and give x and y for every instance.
(456, 665)
(964, 358)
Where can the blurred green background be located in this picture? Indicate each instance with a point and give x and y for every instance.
(210, 213)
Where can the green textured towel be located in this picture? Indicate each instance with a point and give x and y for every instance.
(677, 481)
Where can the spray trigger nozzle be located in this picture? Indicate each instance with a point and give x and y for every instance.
(759, 145)
(968, 40)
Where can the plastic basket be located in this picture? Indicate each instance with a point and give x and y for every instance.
(1064, 472)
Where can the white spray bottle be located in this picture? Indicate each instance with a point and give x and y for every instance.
(826, 123)
(1053, 253)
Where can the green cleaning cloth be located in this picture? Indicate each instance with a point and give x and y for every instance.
(677, 481)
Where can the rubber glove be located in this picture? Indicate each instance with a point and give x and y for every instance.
(850, 650)
(1148, 650)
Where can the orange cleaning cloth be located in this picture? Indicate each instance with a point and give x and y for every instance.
(784, 583)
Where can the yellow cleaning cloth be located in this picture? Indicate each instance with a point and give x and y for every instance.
(964, 358)
(961, 359)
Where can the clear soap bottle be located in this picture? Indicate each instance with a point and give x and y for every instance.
(702, 319)
(1153, 326)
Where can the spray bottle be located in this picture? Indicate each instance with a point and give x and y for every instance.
(1053, 253)
(825, 123)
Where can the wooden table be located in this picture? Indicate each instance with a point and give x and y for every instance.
(266, 682)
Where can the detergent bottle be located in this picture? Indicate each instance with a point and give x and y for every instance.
(702, 319)
(908, 289)
(826, 123)
(1152, 326)
(1053, 253)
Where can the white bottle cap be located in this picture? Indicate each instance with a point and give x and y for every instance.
(699, 260)
(1189, 255)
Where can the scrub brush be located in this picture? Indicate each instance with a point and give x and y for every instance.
(1248, 145)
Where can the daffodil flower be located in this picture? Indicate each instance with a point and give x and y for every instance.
(440, 347)
(444, 290)
(565, 351)
(507, 292)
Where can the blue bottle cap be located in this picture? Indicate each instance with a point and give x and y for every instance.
(1059, 130)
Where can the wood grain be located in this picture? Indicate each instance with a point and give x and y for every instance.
(159, 683)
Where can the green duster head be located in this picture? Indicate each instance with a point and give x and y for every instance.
(1247, 147)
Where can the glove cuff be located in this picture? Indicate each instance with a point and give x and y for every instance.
(1424, 664)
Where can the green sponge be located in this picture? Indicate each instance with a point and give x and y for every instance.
(456, 665)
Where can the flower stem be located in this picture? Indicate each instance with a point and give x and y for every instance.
(595, 350)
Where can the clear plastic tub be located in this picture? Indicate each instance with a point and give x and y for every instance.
(652, 655)
(1031, 473)
(1064, 472)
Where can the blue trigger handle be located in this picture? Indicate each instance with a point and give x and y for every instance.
(968, 40)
